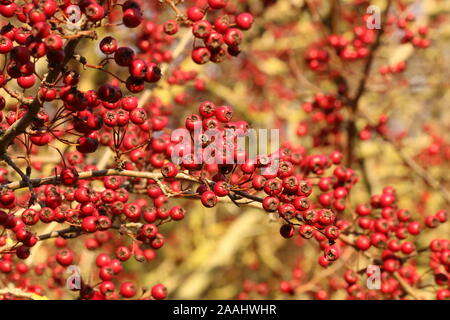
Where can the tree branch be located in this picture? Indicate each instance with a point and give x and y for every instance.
(20, 126)
(354, 102)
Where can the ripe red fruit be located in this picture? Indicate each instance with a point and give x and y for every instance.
(108, 45)
(69, 176)
(233, 37)
(323, 261)
(171, 27)
(244, 20)
(123, 253)
(169, 170)
(106, 273)
(222, 188)
(124, 56)
(8, 10)
(30, 217)
(46, 215)
(332, 232)
(224, 113)
(391, 265)
(48, 94)
(414, 228)
(158, 241)
(207, 109)
(128, 289)
(350, 277)
(195, 14)
(159, 292)
(64, 257)
(23, 252)
(201, 55)
(363, 243)
(22, 235)
(287, 231)
(432, 221)
(442, 216)
(153, 73)
(26, 81)
(331, 253)
(177, 213)
(132, 17)
(89, 224)
(217, 4)
(6, 45)
(129, 103)
(306, 231)
(104, 223)
(135, 85)
(94, 12)
(208, 199)
(148, 231)
(20, 54)
(107, 288)
(407, 247)
(363, 209)
(87, 145)
(53, 42)
(286, 210)
(137, 68)
(202, 29)
(271, 203)
(102, 260)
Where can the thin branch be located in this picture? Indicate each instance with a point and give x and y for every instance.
(20, 126)
(405, 285)
(354, 102)
(25, 178)
(18, 96)
(94, 174)
(421, 172)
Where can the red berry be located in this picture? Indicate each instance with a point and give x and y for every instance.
(128, 289)
(195, 14)
(201, 55)
(23, 252)
(132, 17)
(287, 231)
(108, 45)
(159, 292)
(217, 4)
(363, 243)
(26, 81)
(244, 20)
(209, 199)
(407, 247)
(89, 224)
(69, 176)
(64, 257)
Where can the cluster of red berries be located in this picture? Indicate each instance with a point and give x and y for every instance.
(220, 35)
(418, 37)
(437, 152)
(380, 128)
(399, 67)
(140, 70)
(326, 118)
(120, 212)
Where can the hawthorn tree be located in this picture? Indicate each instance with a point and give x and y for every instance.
(102, 199)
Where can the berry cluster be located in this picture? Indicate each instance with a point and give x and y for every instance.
(99, 168)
